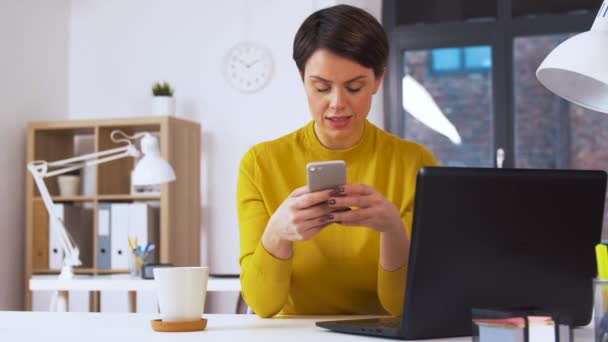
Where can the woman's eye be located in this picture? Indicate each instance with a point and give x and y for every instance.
(322, 90)
(354, 90)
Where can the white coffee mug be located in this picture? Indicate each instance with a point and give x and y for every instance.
(181, 292)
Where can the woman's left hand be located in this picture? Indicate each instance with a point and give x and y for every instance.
(371, 208)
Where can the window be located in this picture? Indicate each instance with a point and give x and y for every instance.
(461, 60)
(550, 131)
(450, 112)
(446, 60)
(478, 65)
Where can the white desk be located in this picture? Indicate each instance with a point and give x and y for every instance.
(119, 282)
(78, 327)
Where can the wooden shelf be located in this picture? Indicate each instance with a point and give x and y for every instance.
(111, 271)
(178, 207)
(128, 197)
(62, 199)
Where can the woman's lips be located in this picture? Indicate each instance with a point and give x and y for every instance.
(338, 121)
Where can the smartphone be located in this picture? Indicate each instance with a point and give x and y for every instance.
(325, 175)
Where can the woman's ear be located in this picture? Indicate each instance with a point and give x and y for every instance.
(378, 80)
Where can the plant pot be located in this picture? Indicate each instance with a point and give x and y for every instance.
(164, 105)
(69, 185)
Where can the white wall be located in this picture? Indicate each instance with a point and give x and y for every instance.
(98, 58)
(33, 70)
(118, 48)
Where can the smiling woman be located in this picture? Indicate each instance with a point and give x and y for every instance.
(339, 93)
(301, 252)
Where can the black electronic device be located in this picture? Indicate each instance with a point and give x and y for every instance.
(495, 238)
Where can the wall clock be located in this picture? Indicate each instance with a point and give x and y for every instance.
(248, 67)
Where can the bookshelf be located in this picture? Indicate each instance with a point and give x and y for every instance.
(178, 202)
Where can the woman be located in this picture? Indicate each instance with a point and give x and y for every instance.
(299, 254)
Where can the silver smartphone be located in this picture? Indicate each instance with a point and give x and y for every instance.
(325, 175)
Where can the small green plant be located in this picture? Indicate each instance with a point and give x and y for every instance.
(162, 89)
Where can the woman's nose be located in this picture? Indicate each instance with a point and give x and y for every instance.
(337, 101)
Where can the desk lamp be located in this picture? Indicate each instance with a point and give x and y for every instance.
(151, 169)
(577, 69)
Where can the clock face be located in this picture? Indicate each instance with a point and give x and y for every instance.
(248, 67)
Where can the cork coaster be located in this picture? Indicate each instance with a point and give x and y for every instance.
(159, 325)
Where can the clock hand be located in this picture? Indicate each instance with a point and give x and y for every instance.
(241, 61)
(252, 63)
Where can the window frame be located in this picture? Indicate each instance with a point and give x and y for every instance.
(499, 34)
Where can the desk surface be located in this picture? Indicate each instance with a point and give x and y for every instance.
(118, 282)
(78, 327)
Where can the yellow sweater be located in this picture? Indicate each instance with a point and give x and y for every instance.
(338, 271)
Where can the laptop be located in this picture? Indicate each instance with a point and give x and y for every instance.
(495, 238)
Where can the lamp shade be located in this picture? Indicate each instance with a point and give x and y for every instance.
(577, 69)
(151, 169)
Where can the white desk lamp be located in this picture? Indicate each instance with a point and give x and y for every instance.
(577, 69)
(151, 169)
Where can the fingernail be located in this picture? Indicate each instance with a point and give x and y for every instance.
(341, 189)
(330, 217)
(332, 201)
(334, 193)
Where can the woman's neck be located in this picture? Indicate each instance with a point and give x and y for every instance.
(341, 142)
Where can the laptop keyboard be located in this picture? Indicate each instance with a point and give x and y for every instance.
(379, 323)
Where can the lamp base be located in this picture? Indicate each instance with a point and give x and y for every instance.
(66, 272)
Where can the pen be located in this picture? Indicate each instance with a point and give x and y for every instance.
(131, 244)
(147, 247)
(150, 249)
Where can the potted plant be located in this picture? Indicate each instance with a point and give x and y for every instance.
(164, 102)
(69, 183)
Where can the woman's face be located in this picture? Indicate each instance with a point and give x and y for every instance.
(339, 93)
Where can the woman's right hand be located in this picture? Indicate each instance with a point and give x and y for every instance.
(302, 215)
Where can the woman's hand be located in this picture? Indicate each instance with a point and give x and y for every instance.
(302, 215)
(376, 212)
(371, 209)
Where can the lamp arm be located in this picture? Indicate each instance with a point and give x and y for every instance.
(68, 246)
(87, 157)
(39, 171)
(84, 161)
(127, 151)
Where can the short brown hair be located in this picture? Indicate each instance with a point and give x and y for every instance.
(346, 31)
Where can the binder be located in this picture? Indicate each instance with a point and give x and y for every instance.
(40, 259)
(55, 252)
(143, 225)
(79, 223)
(104, 242)
(119, 230)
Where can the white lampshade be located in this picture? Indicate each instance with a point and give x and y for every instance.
(151, 169)
(577, 69)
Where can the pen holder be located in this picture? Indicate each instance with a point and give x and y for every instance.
(600, 305)
(520, 324)
(137, 259)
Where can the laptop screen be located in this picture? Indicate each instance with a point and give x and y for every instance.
(501, 238)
